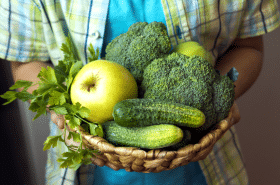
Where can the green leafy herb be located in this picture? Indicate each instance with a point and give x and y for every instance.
(52, 142)
(94, 54)
(96, 129)
(10, 96)
(53, 94)
(74, 159)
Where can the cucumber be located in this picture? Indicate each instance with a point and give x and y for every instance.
(148, 137)
(184, 142)
(146, 112)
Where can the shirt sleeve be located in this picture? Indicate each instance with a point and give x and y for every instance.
(260, 17)
(21, 32)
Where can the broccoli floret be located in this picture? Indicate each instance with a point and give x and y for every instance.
(139, 46)
(191, 81)
(223, 96)
(144, 51)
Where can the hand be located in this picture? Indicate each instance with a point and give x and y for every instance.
(59, 120)
(233, 119)
(235, 114)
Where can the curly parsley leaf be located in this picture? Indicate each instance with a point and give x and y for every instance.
(52, 142)
(53, 93)
(73, 121)
(47, 75)
(69, 52)
(94, 54)
(60, 110)
(74, 159)
(83, 112)
(39, 105)
(76, 137)
(11, 95)
(96, 130)
(20, 84)
(73, 72)
(57, 98)
(68, 158)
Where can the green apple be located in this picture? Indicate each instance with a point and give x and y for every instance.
(191, 48)
(101, 84)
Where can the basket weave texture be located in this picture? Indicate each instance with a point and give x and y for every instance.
(156, 160)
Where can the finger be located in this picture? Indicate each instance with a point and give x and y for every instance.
(53, 117)
(59, 120)
(236, 115)
(71, 141)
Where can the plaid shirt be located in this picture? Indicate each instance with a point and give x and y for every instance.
(33, 30)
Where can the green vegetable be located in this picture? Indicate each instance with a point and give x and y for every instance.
(190, 81)
(138, 47)
(149, 137)
(146, 112)
(184, 142)
(53, 92)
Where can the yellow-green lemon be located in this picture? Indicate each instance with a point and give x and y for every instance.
(192, 48)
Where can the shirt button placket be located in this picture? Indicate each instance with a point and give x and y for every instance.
(95, 35)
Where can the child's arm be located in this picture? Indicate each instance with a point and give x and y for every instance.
(246, 55)
(28, 71)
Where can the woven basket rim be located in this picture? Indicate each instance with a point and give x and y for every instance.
(102, 144)
(156, 160)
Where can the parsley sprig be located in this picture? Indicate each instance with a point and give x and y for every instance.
(53, 93)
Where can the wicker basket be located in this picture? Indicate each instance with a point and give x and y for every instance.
(157, 160)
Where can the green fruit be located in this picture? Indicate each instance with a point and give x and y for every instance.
(192, 48)
(146, 112)
(99, 85)
(149, 137)
(184, 142)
